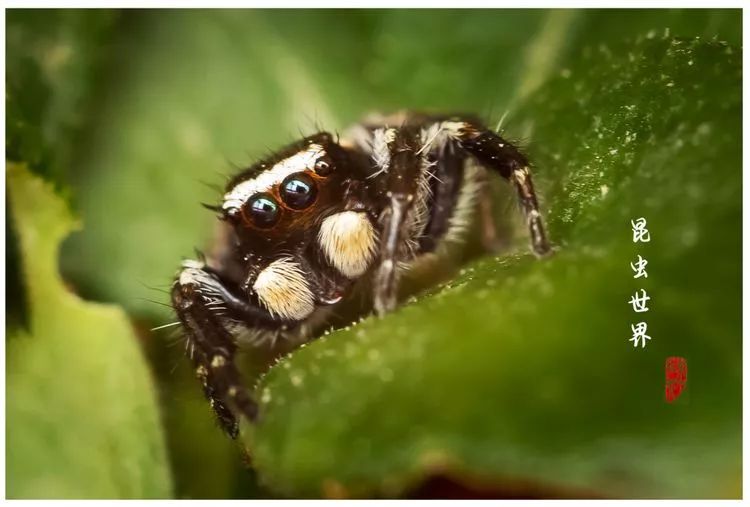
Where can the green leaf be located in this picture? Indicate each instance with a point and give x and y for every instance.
(82, 419)
(519, 374)
(53, 60)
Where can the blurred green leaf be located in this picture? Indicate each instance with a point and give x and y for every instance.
(53, 57)
(520, 372)
(82, 419)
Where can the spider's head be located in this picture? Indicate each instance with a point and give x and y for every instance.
(304, 220)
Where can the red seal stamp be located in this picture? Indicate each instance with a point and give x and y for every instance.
(675, 377)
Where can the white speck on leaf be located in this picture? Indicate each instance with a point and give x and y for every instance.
(265, 398)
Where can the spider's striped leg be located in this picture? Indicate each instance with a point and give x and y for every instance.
(499, 155)
(400, 192)
(200, 301)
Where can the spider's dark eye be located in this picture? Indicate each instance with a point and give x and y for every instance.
(323, 167)
(298, 191)
(263, 210)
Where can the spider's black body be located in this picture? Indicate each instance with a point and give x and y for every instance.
(302, 227)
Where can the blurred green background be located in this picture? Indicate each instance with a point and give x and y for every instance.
(513, 379)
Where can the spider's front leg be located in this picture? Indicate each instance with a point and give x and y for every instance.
(499, 155)
(401, 190)
(202, 303)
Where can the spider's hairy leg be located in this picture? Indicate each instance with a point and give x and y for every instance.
(501, 156)
(199, 299)
(402, 186)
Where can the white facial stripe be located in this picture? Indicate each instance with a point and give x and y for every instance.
(348, 241)
(304, 160)
(283, 289)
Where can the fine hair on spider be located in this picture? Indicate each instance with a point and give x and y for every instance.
(302, 227)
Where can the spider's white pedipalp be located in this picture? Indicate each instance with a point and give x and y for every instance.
(349, 242)
(284, 290)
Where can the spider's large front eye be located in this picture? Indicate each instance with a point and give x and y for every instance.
(298, 191)
(264, 211)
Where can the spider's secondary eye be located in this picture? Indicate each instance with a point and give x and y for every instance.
(263, 210)
(298, 191)
(323, 167)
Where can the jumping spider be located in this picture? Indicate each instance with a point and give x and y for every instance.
(302, 226)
